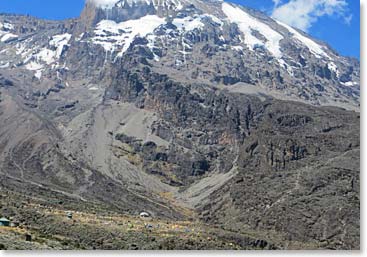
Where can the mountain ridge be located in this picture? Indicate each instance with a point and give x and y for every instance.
(284, 59)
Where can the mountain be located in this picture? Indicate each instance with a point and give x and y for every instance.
(190, 110)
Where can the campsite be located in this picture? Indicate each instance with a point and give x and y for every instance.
(60, 225)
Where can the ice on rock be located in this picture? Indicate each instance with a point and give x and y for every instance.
(60, 41)
(108, 4)
(112, 36)
(188, 23)
(6, 32)
(247, 24)
(314, 48)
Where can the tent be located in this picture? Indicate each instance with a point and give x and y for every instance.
(4, 222)
(144, 215)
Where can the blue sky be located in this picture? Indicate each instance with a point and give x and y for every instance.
(336, 22)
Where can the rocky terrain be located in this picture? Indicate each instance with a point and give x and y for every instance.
(96, 227)
(200, 112)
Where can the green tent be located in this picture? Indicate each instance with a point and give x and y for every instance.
(4, 222)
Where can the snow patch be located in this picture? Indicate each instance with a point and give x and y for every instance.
(248, 24)
(5, 32)
(46, 55)
(314, 48)
(50, 56)
(185, 25)
(350, 84)
(151, 45)
(188, 23)
(237, 48)
(6, 26)
(33, 66)
(215, 19)
(104, 3)
(109, 4)
(93, 88)
(4, 66)
(36, 58)
(60, 41)
(38, 74)
(7, 37)
(80, 37)
(112, 36)
(286, 67)
(332, 66)
(36, 67)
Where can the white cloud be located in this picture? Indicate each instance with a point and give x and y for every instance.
(277, 3)
(348, 19)
(303, 14)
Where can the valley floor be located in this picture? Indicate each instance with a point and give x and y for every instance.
(50, 228)
(95, 227)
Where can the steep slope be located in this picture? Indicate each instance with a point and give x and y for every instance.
(185, 108)
(299, 175)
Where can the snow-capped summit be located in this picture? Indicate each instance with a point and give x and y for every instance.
(109, 4)
(207, 41)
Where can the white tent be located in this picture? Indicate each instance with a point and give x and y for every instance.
(144, 215)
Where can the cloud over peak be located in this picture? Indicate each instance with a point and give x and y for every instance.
(302, 14)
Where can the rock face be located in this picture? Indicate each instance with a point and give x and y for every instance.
(297, 178)
(234, 115)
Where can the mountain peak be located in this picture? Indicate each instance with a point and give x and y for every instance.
(122, 10)
(187, 39)
(109, 4)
